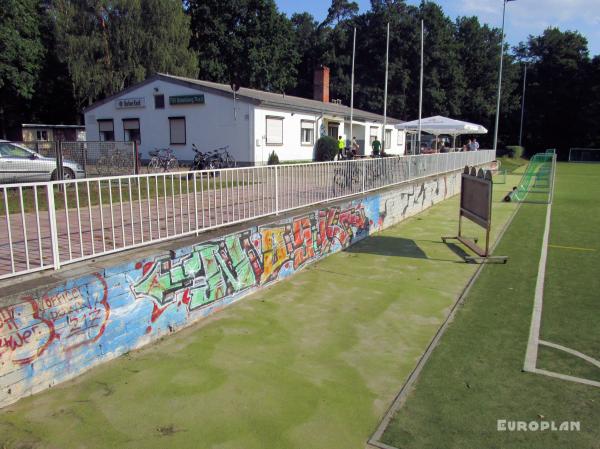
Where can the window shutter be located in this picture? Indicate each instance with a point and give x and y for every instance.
(275, 130)
(105, 125)
(177, 130)
(131, 124)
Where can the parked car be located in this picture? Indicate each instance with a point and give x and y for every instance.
(20, 164)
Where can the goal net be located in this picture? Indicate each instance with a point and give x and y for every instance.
(535, 185)
(584, 155)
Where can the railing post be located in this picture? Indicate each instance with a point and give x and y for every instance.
(52, 220)
(364, 174)
(276, 190)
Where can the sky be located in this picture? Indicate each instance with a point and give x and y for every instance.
(523, 17)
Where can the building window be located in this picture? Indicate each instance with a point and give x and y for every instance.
(373, 134)
(177, 130)
(307, 132)
(41, 135)
(106, 129)
(159, 101)
(131, 130)
(399, 141)
(274, 130)
(388, 139)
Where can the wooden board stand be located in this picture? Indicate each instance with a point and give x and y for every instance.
(476, 205)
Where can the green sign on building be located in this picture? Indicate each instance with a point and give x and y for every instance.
(186, 99)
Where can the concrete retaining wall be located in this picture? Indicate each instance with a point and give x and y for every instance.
(53, 336)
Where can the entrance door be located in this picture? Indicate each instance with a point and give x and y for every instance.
(333, 130)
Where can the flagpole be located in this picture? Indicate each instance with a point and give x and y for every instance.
(352, 91)
(418, 149)
(387, 52)
(500, 75)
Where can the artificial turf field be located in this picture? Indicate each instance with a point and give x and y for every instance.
(311, 362)
(474, 376)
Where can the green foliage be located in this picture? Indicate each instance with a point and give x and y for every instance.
(110, 44)
(273, 158)
(563, 92)
(245, 40)
(326, 149)
(21, 51)
(515, 151)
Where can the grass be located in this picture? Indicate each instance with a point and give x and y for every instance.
(99, 192)
(474, 376)
(310, 363)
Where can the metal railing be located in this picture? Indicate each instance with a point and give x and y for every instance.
(46, 225)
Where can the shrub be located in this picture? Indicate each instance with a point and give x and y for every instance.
(513, 151)
(273, 159)
(327, 148)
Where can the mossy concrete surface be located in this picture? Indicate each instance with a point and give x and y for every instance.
(311, 362)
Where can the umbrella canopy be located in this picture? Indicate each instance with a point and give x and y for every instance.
(442, 125)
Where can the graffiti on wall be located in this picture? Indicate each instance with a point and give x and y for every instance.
(126, 306)
(239, 262)
(75, 316)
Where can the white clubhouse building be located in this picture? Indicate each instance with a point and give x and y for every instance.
(168, 111)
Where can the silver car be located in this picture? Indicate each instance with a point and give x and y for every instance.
(20, 164)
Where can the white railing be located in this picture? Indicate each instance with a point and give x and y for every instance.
(46, 225)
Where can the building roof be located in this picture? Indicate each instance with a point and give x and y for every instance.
(40, 125)
(259, 97)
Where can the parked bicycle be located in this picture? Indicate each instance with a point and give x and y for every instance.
(203, 161)
(346, 179)
(115, 163)
(212, 160)
(162, 159)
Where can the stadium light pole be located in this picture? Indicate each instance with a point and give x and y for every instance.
(500, 74)
(523, 103)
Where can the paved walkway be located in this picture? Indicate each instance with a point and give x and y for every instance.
(311, 362)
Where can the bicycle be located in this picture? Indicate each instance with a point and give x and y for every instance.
(162, 158)
(116, 161)
(347, 176)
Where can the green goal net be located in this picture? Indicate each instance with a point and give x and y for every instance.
(536, 183)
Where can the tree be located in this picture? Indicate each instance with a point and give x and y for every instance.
(21, 51)
(558, 92)
(244, 40)
(108, 45)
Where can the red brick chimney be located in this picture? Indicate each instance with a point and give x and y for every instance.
(321, 84)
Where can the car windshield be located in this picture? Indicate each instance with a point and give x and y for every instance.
(10, 150)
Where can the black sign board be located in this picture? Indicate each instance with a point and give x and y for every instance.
(476, 205)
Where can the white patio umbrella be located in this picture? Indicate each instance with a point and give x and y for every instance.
(438, 125)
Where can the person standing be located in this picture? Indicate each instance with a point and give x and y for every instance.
(475, 145)
(341, 146)
(376, 147)
(470, 145)
(355, 147)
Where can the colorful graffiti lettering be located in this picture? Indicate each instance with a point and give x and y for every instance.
(236, 263)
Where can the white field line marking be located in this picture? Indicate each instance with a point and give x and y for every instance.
(534, 330)
(536, 317)
(578, 380)
(581, 355)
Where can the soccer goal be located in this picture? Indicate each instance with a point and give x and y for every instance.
(584, 155)
(535, 185)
